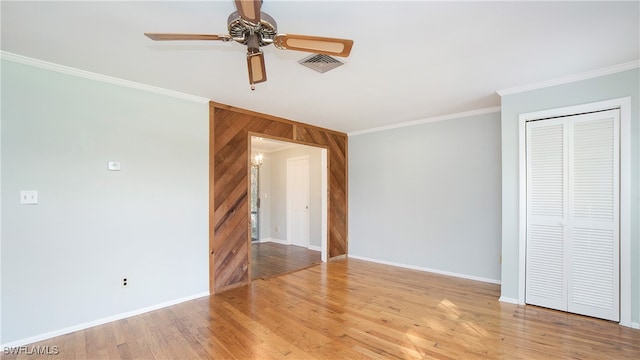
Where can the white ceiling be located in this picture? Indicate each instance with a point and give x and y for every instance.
(410, 61)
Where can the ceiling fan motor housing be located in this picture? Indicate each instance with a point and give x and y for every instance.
(240, 29)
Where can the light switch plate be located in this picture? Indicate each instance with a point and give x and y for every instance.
(28, 197)
(114, 166)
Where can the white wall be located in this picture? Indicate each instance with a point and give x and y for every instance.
(618, 85)
(428, 196)
(62, 260)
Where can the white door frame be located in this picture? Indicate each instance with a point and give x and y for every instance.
(324, 188)
(624, 104)
(324, 194)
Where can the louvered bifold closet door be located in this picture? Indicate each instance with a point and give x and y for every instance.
(547, 206)
(572, 253)
(593, 267)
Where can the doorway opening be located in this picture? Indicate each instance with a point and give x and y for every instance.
(288, 207)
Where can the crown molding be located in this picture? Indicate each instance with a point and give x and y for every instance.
(20, 59)
(571, 78)
(428, 120)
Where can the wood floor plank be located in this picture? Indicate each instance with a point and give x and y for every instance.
(272, 259)
(357, 310)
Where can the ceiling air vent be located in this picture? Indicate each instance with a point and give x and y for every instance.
(320, 62)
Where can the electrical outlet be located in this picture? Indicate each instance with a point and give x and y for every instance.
(28, 197)
(277, 228)
(500, 260)
(124, 282)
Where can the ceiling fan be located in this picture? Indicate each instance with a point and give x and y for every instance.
(253, 28)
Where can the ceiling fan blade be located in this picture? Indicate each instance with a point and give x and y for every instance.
(257, 69)
(169, 36)
(249, 10)
(314, 44)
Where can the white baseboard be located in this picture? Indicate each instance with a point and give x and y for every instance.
(635, 325)
(436, 271)
(314, 248)
(97, 322)
(274, 240)
(509, 300)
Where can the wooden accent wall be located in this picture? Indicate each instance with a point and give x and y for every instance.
(229, 223)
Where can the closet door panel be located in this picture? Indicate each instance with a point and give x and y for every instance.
(593, 279)
(546, 214)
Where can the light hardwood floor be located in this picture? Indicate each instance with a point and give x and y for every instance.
(273, 259)
(351, 309)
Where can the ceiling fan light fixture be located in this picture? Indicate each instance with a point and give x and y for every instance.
(257, 69)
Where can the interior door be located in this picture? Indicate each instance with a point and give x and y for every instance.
(298, 201)
(573, 214)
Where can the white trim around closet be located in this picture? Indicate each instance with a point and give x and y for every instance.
(624, 104)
